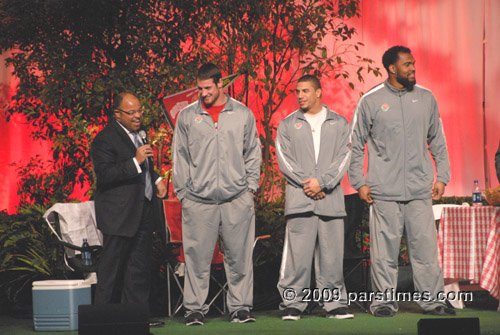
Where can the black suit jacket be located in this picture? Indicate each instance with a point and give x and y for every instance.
(497, 163)
(119, 195)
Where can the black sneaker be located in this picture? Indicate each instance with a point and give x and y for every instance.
(339, 313)
(291, 314)
(441, 311)
(383, 312)
(242, 316)
(194, 319)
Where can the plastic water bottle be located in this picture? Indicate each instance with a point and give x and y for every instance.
(86, 255)
(476, 194)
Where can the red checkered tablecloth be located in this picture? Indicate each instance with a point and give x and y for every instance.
(469, 245)
(490, 277)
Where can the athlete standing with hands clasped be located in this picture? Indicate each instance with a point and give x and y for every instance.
(313, 155)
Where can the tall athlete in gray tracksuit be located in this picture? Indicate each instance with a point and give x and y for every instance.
(216, 167)
(401, 123)
(313, 155)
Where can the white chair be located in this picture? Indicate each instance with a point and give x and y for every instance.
(438, 209)
(71, 223)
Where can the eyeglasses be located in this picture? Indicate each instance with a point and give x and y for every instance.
(130, 113)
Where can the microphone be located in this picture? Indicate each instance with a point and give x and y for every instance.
(144, 137)
(142, 134)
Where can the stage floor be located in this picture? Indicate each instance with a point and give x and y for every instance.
(269, 322)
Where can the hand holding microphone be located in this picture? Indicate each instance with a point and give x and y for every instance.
(144, 151)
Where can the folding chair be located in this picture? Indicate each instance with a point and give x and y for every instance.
(173, 220)
(71, 223)
(257, 239)
(172, 210)
(175, 260)
(222, 288)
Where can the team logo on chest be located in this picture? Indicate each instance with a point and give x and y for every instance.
(198, 119)
(298, 125)
(385, 107)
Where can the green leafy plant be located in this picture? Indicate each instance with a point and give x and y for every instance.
(40, 184)
(29, 252)
(270, 220)
(72, 57)
(457, 201)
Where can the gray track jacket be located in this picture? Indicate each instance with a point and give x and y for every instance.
(295, 151)
(215, 165)
(401, 127)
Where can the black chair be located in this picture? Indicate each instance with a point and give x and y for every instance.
(356, 254)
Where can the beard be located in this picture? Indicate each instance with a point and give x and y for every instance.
(305, 109)
(407, 84)
(209, 101)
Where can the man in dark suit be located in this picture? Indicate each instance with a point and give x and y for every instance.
(125, 186)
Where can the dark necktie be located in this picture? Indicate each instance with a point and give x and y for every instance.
(149, 185)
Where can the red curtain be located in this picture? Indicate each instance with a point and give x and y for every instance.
(446, 38)
(16, 143)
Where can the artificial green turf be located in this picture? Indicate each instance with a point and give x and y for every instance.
(269, 322)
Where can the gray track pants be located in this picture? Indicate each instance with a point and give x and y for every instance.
(305, 237)
(201, 225)
(388, 220)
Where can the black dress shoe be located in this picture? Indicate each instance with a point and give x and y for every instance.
(156, 324)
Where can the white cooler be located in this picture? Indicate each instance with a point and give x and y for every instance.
(55, 303)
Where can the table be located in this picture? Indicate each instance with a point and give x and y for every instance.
(469, 246)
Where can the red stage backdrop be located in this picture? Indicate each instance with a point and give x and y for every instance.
(446, 38)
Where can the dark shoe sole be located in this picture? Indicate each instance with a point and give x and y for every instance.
(383, 313)
(441, 313)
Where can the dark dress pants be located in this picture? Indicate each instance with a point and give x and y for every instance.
(124, 269)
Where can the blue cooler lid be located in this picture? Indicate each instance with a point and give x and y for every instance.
(60, 284)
